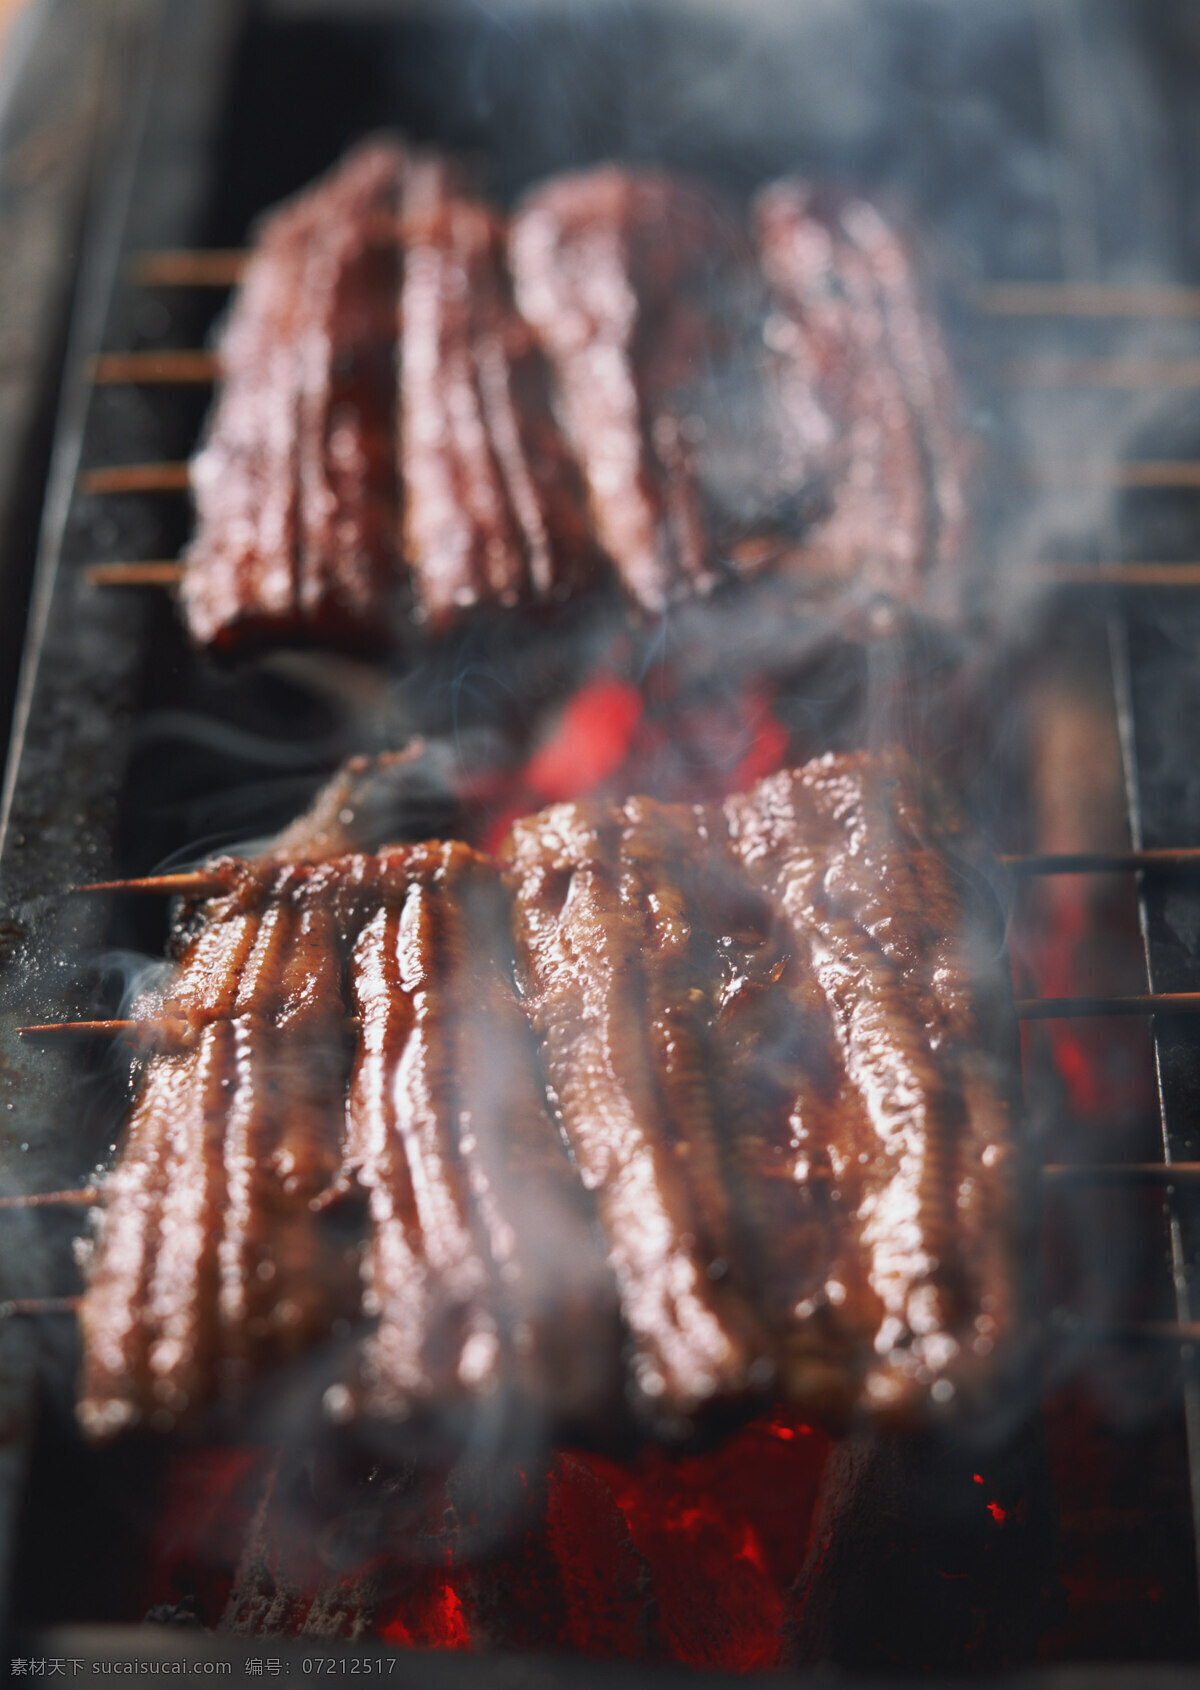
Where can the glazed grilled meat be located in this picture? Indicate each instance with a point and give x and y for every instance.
(214, 1261)
(427, 411)
(295, 487)
(852, 343)
(779, 1046)
(482, 1266)
(618, 993)
(338, 1027)
(624, 275)
(383, 445)
(747, 1085)
(493, 503)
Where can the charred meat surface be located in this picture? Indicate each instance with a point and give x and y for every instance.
(482, 1265)
(707, 456)
(878, 886)
(214, 1261)
(383, 444)
(338, 1026)
(866, 389)
(737, 1074)
(427, 410)
(776, 1039)
(622, 274)
(295, 487)
(493, 502)
(617, 991)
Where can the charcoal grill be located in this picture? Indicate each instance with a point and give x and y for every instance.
(210, 113)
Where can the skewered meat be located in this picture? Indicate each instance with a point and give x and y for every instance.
(214, 1260)
(387, 445)
(383, 443)
(617, 1002)
(493, 501)
(623, 275)
(853, 343)
(772, 1037)
(780, 1067)
(295, 487)
(481, 1264)
(216, 1256)
(788, 404)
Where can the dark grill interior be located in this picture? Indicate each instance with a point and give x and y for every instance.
(138, 756)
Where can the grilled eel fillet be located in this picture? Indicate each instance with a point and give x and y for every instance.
(217, 1257)
(852, 337)
(295, 486)
(425, 410)
(750, 1085)
(779, 1042)
(738, 399)
(383, 444)
(212, 1261)
(493, 501)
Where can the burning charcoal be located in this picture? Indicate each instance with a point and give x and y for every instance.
(908, 1532)
(284, 1585)
(505, 1576)
(185, 1614)
(607, 1585)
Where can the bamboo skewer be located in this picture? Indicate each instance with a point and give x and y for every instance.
(169, 1028)
(169, 572)
(155, 572)
(198, 881)
(1143, 1003)
(84, 1198)
(39, 1306)
(1027, 1009)
(1097, 1173)
(1122, 1173)
(166, 1029)
(1113, 373)
(190, 367)
(170, 885)
(1138, 1331)
(1103, 862)
(212, 267)
(193, 367)
(1156, 473)
(225, 266)
(1087, 299)
(1120, 1332)
(1118, 574)
(136, 478)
